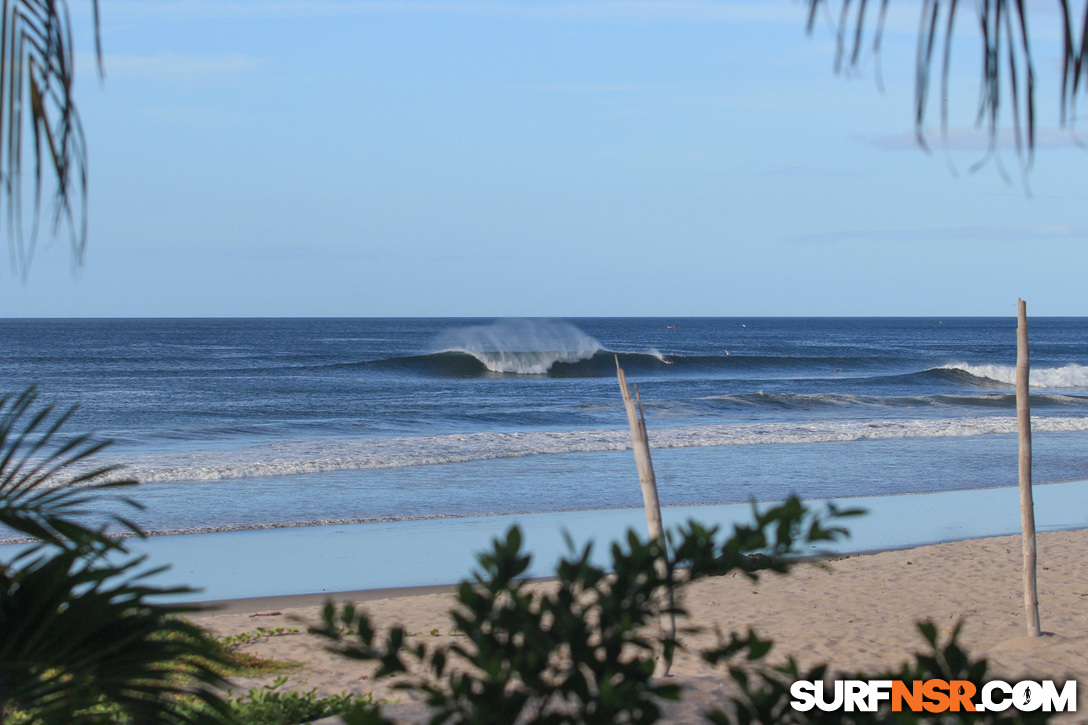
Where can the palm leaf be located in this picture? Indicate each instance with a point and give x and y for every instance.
(1007, 80)
(81, 637)
(77, 631)
(36, 75)
(47, 488)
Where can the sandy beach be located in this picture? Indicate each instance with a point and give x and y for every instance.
(856, 613)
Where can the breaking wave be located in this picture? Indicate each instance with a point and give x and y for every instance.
(291, 458)
(524, 347)
(1068, 376)
(555, 364)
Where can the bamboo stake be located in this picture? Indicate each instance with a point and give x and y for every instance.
(640, 442)
(1027, 505)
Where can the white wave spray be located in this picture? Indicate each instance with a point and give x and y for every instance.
(525, 347)
(1067, 376)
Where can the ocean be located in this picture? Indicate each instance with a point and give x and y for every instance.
(235, 424)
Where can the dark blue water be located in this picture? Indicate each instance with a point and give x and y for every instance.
(248, 423)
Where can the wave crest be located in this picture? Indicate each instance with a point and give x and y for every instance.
(524, 347)
(1067, 376)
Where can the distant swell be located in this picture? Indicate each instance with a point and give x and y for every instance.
(601, 363)
(556, 364)
(816, 401)
(320, 456)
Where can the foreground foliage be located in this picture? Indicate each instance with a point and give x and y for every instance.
(260, 706)
(271, 706)
(79, 626)
(583, 652)
(38, 114)
(1007, 81)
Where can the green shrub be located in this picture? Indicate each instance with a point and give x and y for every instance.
(582, 651)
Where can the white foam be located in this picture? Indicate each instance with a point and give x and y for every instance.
(326, 455)
(1067, 376)
(524, 347)
(654, 352)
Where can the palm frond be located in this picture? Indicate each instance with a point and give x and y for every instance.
(47, 488)
(82, 637)
(36, 76)
(77, 631)
(1007, 78)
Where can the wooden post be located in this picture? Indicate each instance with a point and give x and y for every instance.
(1027, 505)
(640, 442)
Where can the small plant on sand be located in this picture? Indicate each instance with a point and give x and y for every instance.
(269, 705)
(266, 705)
(233, 640)
(582, 651)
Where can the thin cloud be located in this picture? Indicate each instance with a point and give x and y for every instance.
(199, 117)
(977, 139)
(680, 10)
(296, 252)
(1036, 233)
(590, 87)
(174, 66)
(812, 172)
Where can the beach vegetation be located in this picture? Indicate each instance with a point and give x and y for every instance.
(584, 650)
(240, 638)
(247, 664)
(270, 705)
(81, 630)
(37, 110)
(267, 705)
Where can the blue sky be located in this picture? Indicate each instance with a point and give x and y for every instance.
(542, 158)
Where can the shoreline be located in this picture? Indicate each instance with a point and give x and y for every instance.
(419, 555)
(362, 557)
(415, 555)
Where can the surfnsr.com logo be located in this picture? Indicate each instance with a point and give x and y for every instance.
(933, 696)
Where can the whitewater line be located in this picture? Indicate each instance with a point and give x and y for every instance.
(288, 458)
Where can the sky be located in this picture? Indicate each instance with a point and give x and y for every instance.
(555, 158)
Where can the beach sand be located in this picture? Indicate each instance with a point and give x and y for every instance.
(856, 613)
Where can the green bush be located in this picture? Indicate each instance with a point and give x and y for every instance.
(582, 651)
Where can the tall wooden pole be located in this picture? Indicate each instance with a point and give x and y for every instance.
(1027, 505)
(640, 442)
(641, 445)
